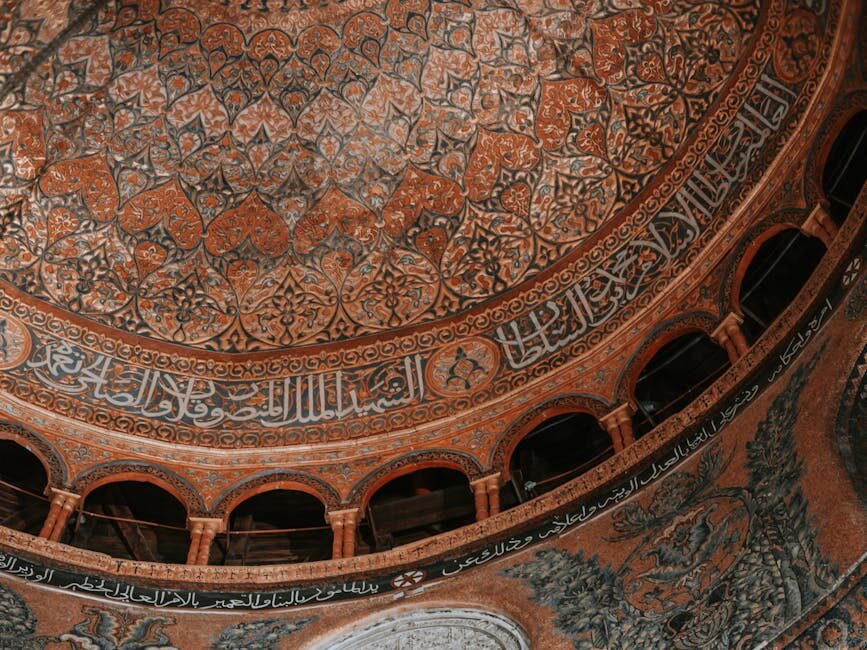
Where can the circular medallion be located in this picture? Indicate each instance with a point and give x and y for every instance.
(463, 367)
(14, 342)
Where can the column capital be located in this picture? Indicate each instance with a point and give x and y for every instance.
(333, 516)
(722, 329)
(819, 224)
(214, 524)
(488, 479)
(730, 336)
(617, 415)
(64, 495)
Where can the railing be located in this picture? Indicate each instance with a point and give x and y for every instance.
(662, 436)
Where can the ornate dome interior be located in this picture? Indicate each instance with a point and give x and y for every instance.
(335, 302)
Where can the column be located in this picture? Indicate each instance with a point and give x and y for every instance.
(336, 520)
(203, 530)
(343, 524)
(349, 523)
(196, 526)
(820, 224)
(492, 485)
(62, 505)
(480, 496)
(731, 337)
(618, 423)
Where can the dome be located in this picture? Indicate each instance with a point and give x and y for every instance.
(351, 297)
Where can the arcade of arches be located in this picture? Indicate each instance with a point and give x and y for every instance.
(427, 323)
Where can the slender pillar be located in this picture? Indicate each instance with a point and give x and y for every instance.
(343, 523)
(208, 534)
(618, 423)
(820, 224)
(62, 505)
(336, 519)
(480, 496)
(731, 337)
(51, 518)
(203, 530)
(624, 421)
(196, 527)
(349, 523)
(492, 486)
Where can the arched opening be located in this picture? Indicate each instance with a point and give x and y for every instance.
(556, 451)
(777, 272)
(23, 479)
(275, 527)
(132, 520)
(675, 376)
(846, 167)
(415, 506)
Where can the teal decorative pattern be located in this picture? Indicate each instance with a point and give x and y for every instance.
(713, 567)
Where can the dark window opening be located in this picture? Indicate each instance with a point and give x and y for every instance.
(132, 520)
(416, 506)
(846, 167)
(780, 268)
(275, 527)
(674, 377)
(555, 452)
(23, 505)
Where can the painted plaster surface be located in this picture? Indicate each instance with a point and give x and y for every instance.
(223, 177)
(730, 549)
(429, 207)
(251, 242)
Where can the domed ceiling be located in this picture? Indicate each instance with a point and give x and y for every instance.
(257, 216)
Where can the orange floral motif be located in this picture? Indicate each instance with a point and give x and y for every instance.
(178, 28)
(419, 191)
(798, 46)
(251, 220)
(168, 204)
(364, 34)
(335, 211)
(408, 15)
(390, 287)
(269, 49)
(611, 35)
(560, 99)
(493, 152)
(397, 161)
(90, 178)
(288, 305)
(149, 256)
(24, 131)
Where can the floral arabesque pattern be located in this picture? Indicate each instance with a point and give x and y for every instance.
(714, 567)
(179, 170)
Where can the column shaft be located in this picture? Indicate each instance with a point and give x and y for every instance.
(493, 489)
(195, 541)
(480, 497)
(336, 521)
(624, 423)
(205, 542)
(51, 518)
(349, 533)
